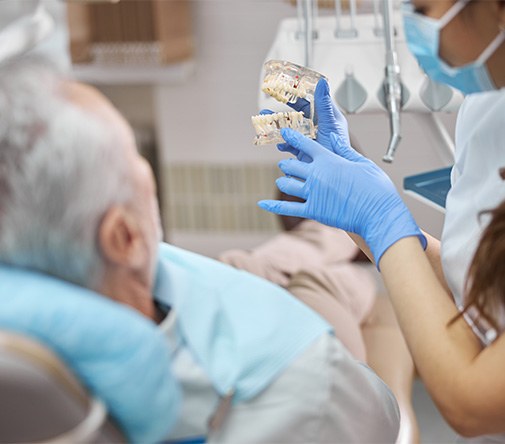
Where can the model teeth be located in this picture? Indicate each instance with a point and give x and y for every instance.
(287, 82)
(283, 88)
(268, 126)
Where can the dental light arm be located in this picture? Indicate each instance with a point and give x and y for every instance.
(392, 83)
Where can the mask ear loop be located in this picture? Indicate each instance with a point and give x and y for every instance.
(452, 12)
(493, 46)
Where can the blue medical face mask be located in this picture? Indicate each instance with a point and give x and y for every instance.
(423, 39)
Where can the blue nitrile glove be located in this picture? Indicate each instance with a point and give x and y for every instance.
(343, 189)
(329, 119)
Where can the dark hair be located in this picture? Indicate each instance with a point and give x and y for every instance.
(485, 285)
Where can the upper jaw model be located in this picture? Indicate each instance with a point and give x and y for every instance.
(286, 82)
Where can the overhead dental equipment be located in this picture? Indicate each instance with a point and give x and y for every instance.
(363, 52)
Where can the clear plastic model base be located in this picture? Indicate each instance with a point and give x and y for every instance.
(268, 126)
(286, 82)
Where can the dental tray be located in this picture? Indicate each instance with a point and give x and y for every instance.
(430, 187)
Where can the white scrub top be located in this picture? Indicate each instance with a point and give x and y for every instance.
(476, 184)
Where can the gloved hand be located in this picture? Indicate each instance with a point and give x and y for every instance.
(343, 189)
(328, 118)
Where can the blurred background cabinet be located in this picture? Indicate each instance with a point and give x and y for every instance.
(152, 32)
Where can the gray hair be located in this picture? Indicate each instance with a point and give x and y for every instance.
(59, 173)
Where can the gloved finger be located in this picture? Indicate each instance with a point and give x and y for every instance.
(328, 117)
(291, 186)
(303, 157)
(301, 105)
(323, 104)
(293, 167)
(344, 150)
(286, 147)
(265, 111)
(302, 143)
(296, 209)
(339, 115)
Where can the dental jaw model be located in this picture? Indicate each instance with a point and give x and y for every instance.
(268, 126)
(286, 82)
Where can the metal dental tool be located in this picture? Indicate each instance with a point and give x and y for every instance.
(340, 31)
(308, 34)
(377, 29)
(350, 95)
(392, 82)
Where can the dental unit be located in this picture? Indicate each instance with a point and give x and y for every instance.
(286, 82)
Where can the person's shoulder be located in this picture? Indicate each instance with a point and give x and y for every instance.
(481, 115)
(484, 100)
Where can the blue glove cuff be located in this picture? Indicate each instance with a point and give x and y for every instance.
(390, 230)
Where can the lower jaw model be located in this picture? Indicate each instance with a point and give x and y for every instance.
(268, 126)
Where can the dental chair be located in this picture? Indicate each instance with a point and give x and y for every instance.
(42, 401)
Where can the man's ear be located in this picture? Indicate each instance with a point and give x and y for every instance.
(120, 239)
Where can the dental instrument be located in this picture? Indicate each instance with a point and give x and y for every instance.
(392, 82)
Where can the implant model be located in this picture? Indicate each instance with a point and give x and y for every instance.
(268, 126)
(286, 82)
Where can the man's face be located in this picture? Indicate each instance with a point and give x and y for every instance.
(143, 207)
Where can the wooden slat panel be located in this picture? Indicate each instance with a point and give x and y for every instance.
(131, 21)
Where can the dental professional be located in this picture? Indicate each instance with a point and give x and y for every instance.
(449, 296)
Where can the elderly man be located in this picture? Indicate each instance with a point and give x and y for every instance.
(78, 202)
